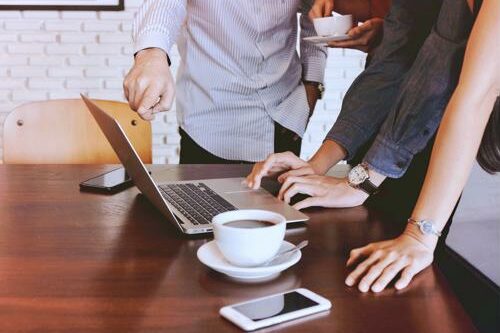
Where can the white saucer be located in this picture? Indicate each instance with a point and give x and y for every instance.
(210, 255)
(326, 39)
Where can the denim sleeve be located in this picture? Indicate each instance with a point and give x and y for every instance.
(424, 94)
(369, 99)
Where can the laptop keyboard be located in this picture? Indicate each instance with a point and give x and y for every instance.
(196, 201)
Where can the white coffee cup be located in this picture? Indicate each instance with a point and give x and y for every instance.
(333, 25)
(247, 247)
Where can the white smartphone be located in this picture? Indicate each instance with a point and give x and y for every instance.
(275, 309)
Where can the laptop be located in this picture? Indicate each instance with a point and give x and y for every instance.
(190, 205)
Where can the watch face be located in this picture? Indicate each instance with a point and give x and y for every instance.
(357, 175)
(426, 227)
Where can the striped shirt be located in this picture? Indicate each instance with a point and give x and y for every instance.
(240, 70)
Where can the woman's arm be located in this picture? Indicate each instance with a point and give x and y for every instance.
(455, 149)
(464, 121)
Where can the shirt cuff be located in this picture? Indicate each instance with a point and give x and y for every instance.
(348, 135)
(313, 69)
(153, 39)
(388, 158)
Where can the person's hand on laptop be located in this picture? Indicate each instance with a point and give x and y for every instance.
(276, 164)
(149, 86)
(324, 191)
(289, 165)
(364, 37)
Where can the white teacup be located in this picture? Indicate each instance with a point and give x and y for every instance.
(333, 25)
(244, 246)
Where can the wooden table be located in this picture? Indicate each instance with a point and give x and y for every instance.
(81, 262)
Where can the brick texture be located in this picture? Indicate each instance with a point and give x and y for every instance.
(57, 54)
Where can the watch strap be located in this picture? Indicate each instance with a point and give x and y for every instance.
(368, 187)
(319, 86)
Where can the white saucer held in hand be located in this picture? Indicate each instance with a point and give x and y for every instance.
(331, 29)
(326, 39)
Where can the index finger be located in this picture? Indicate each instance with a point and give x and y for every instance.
(359, 253)
(315, 11)
(250, 178)
(263, 170)
(328, 8)
(356, 31)
(147, 103)
(321, 8)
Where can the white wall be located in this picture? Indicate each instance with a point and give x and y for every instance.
(58, 54)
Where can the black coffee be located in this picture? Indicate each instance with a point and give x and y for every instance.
(249, 224)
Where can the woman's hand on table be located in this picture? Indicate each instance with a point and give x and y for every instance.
(364, 37)
(324, 191)
(377, 264)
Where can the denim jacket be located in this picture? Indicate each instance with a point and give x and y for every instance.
(398, 101)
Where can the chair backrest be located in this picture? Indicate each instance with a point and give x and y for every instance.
(64, 132)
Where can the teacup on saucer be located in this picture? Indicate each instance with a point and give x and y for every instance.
(337, 25)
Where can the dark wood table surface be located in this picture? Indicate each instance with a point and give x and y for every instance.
(81, 262)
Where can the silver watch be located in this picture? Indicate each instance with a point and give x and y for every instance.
(426, 227)
(359, 178)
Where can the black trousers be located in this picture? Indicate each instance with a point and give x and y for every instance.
(192, 153)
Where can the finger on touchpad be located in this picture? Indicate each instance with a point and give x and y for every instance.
(297, 198)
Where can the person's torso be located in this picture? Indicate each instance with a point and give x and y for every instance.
(239, 67)
(239, 46)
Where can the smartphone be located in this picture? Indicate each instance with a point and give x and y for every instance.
(110, 182)
(275, 309)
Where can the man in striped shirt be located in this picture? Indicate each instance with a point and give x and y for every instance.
(242, 92)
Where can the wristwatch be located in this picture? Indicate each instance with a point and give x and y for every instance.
(426, 227)
(359, 178)
(319, 86)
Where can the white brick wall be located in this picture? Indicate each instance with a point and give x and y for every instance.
(54, 54)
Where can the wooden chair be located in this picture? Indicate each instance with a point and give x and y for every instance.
(64, 132)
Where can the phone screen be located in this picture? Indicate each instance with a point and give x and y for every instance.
(109, 180)
(275, 306)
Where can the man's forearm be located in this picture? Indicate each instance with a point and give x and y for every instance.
(313, 94)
